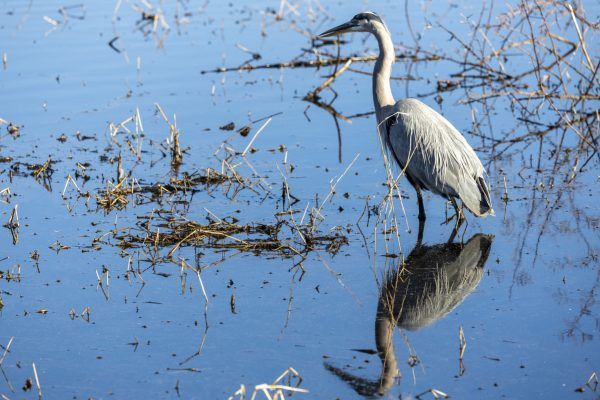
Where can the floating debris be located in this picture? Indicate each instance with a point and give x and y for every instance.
(592, 384)
(118, 196)
(27, 385)
(244, 131)
(58, 246)
(14, 130)
(174, 232)
(41, 172)
(228, 127)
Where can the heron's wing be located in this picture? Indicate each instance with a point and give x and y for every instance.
(435, 155)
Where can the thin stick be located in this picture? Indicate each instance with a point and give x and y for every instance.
(581, 40)
(461, 350)
(37, 381)
(6, 350)
(255, 136)
(202, 286)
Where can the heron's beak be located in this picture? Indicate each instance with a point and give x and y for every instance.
(338, 30)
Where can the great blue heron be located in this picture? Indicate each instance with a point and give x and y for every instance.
(425, 145)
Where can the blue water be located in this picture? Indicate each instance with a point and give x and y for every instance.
(531, 322)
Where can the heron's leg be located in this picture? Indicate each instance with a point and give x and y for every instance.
(453, 234)
(422, 215)
(460, 217)
(458, 213)
(420, 234)
(456, 229)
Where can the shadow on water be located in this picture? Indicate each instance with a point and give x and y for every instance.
(433, 282)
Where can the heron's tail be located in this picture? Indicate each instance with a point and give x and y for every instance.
(485, 203)
(477, 198)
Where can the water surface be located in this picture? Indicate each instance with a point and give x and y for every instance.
(526, 282)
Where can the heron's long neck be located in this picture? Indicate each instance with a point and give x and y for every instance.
(382, 92)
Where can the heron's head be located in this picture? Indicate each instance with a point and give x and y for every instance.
(363, 22)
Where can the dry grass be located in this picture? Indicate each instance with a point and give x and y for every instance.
(164, 230)
(275, 390)
(173, 141)
(118, 196)
(42, 173)
(13, 225)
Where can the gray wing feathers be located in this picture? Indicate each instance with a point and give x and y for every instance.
(436, 156)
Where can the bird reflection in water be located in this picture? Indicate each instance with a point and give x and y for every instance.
(434, 281)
